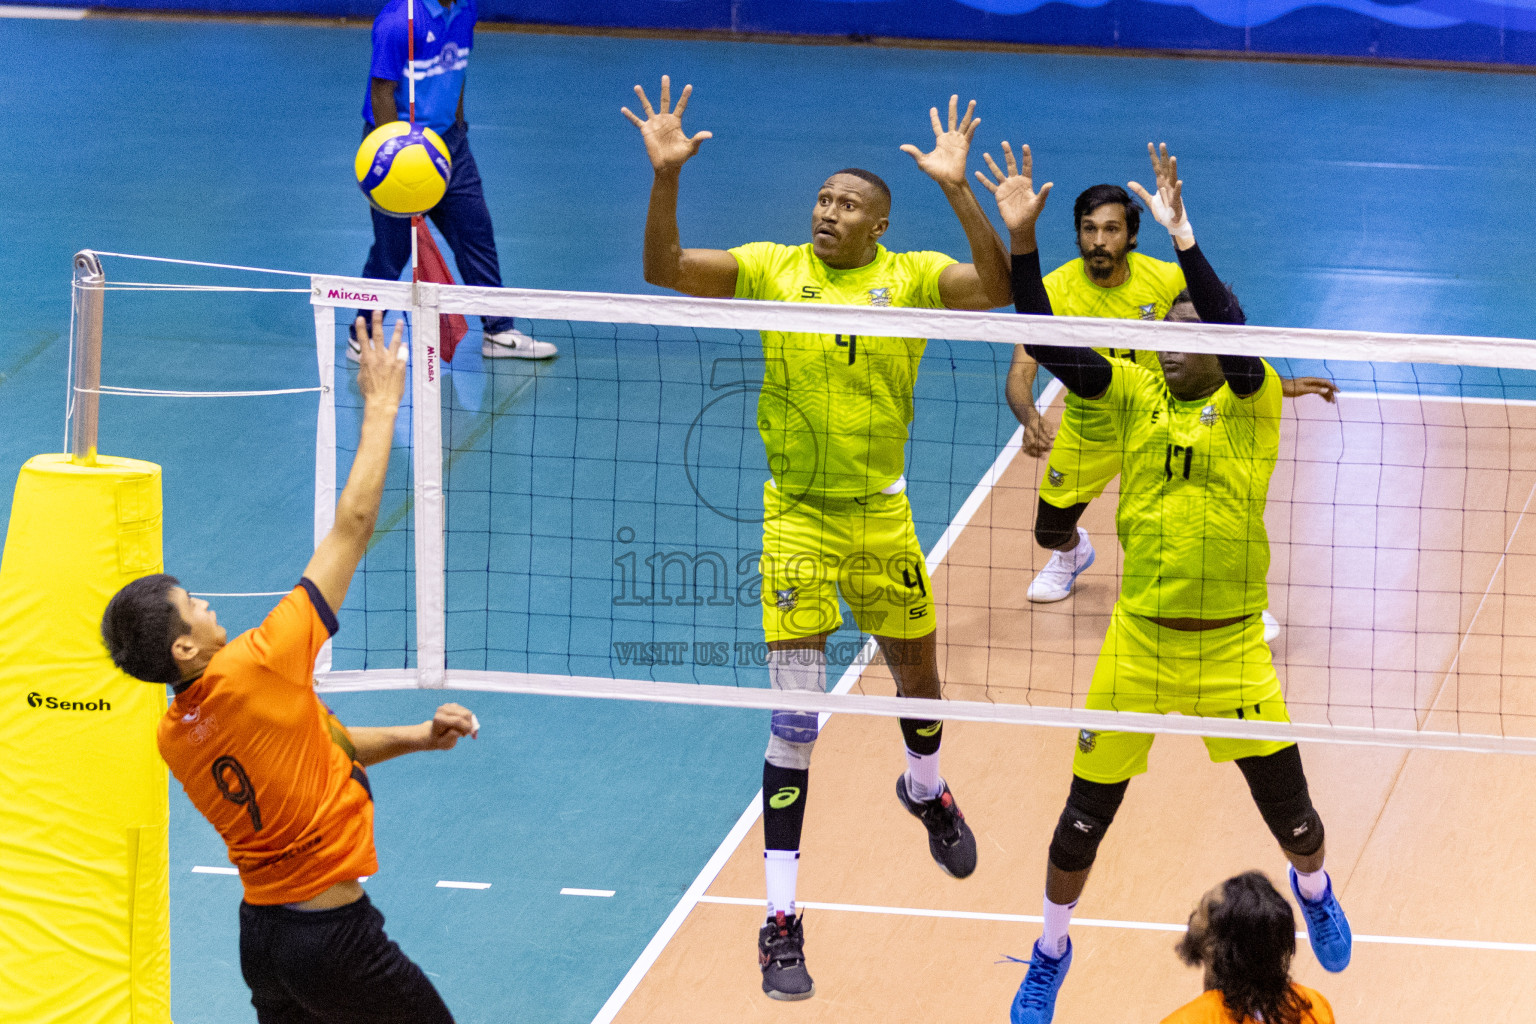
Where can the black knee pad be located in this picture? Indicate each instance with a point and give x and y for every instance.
(1279, 788)
(1056, 526)
(1295, 824)
(1090, 809)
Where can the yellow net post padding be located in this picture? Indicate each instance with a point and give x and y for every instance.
(84, 819)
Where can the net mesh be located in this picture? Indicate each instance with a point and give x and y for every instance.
(604, 517)
(378, 619)
(605, 520)
(605, 510)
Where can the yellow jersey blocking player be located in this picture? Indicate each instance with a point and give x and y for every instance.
(1113, 281)
(834, 412)
(1198, 443)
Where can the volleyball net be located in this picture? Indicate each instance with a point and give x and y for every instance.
(593, 526)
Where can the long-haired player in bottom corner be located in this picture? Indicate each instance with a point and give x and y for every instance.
(1198, 442)
(273, 770)
(834, 413)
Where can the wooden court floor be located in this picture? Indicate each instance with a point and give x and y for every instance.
(1404, 572)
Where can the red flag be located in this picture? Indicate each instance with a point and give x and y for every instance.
(431, 267)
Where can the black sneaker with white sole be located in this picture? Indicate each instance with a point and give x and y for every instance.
(781, 955)
(950, 839)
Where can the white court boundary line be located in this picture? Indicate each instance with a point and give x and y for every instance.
(695, 892)
(1099, 922)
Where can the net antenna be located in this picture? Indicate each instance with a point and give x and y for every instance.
(85, 314)
(410, 85)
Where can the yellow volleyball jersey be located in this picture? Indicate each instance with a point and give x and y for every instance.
(834, 409)
(1147, 294)
(1194, 481)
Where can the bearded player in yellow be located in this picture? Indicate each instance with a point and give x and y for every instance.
(833, 413)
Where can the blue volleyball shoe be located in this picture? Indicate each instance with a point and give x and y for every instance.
(1035, 1002)
(1327, 927)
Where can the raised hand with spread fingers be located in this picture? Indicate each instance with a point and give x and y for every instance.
(982, 283)
(1167, 205)
(667, 145)
(1017, 201)
(705, 272)
(945, 164)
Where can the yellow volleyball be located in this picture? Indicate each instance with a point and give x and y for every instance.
(403, 170)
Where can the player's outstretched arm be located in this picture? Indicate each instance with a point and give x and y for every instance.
(1213, 300)
(375, 744)
(982, 283)
(1167, 206)
(1322, 387)
(708, 273)
(381, 378)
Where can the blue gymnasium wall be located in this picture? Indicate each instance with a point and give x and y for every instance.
(1454, 30)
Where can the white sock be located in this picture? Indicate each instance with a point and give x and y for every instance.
(1312, 884)
(923, 781)
(781, 867)
(1057, 917)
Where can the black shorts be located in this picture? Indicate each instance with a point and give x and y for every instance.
(332, 967)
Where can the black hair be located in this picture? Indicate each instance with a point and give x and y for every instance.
(1103, 195)
(139, 626)
(871, 177)
(1184, 296)
(1250, 938)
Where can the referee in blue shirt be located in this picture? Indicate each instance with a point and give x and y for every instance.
(445, 33)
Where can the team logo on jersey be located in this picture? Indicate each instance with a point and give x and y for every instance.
(879, 296)
(1149, 311)
(1055, 476)
(787, 599)
(810, 292)
(1086, 740)
(1209, 415)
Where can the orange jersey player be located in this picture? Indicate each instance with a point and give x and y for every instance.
(270, 767)
(1243, 934)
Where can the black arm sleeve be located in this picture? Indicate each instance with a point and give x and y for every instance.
(1081, 370)
(1216, 305)
(1245, 374)
(1213, 301)
(1028, 289)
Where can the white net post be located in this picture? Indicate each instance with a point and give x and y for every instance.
(325, 440)
(431, 522)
